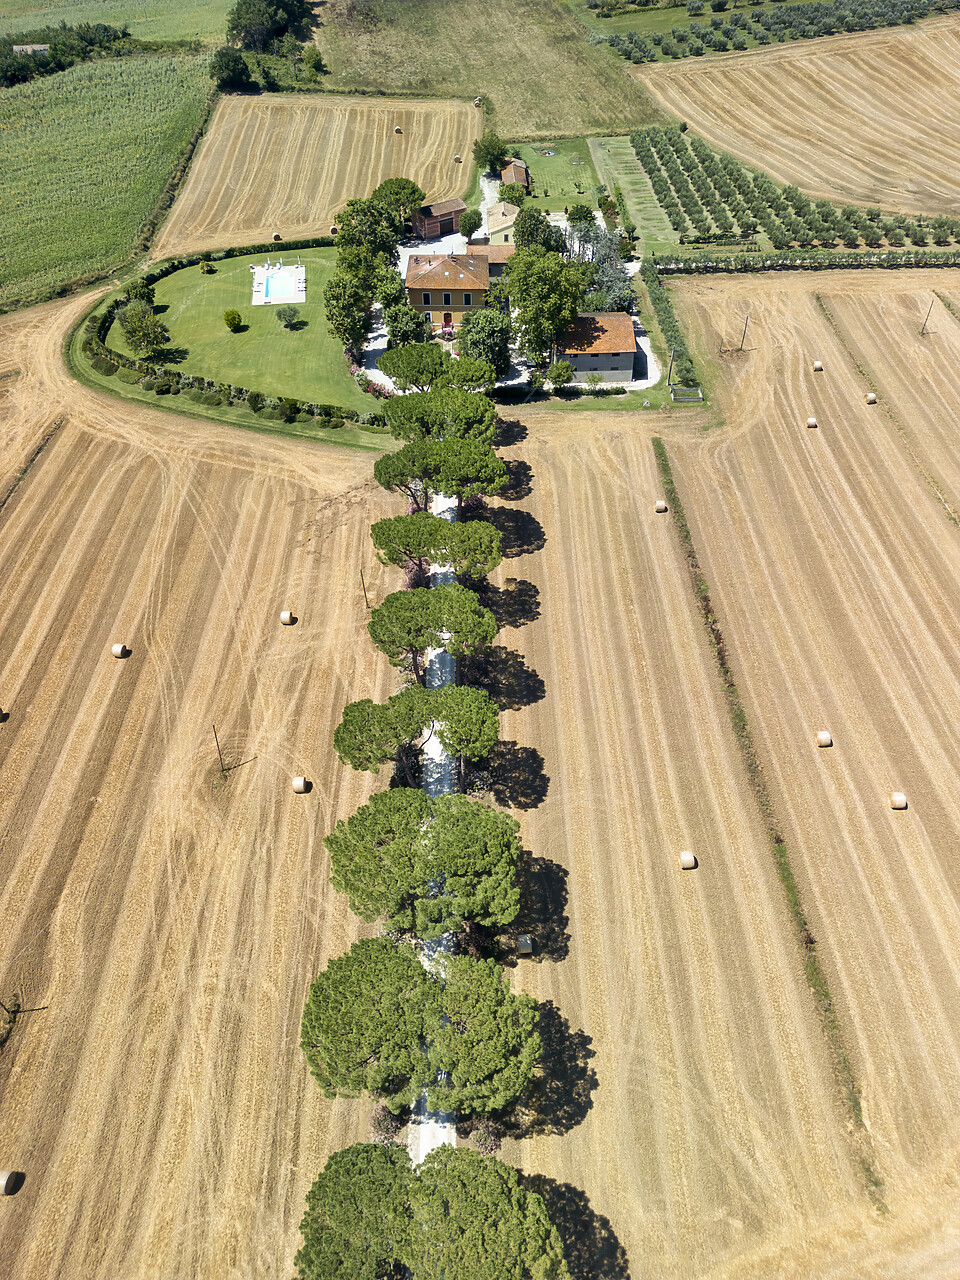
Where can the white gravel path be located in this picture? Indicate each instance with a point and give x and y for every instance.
(431, 1129)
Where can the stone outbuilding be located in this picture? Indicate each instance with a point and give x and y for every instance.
(500, 220)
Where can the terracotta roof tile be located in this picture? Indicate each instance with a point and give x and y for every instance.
(447, 271)
(442, 208)
(599, 333)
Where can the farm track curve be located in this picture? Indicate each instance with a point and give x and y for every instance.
(167, 924)
(869, 118)
(290, 162)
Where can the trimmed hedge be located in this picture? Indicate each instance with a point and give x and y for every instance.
(684, 371)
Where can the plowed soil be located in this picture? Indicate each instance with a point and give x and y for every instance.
(833, 559)
(288, 163)
(868, 118)
(165, 922)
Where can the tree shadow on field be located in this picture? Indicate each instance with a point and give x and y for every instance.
(522, 533)
(519, 480)
(513, 608)
(169, 355)
(508, 680)
(509, 432)
(590, 1243)
(542, 914)
(514, 776)
(559, 1096)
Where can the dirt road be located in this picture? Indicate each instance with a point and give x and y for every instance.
(165, 922)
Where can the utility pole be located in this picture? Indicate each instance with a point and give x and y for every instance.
(223, 767)
(922, 331)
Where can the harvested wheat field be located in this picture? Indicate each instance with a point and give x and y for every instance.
(868, 118)
(163, 922)
(834, 560)
(715, 1124)
(288, 163)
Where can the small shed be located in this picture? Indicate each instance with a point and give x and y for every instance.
(516, 171)
(440, 219)
(524, 944)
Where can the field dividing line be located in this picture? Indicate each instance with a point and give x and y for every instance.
(870, 383)
(814, 973)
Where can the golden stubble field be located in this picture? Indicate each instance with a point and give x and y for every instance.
(290, 162)
(867, 118)
(833, 556)
(166, 926)
(159, 1103)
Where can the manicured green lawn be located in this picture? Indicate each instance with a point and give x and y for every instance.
(568, 175)
(305, 364)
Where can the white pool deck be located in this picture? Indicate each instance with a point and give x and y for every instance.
(274, 283)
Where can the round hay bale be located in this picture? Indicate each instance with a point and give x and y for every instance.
(811, 422)
(824, 739)
(277, 235)
(457, 160)
(302, 786)
(687, 861)
(333, 231)
(120, 651)
(398, 129)
(287, 619)
(11, 1180)
(661, 506)
(898, 800)
(871, 397)
(477, 102)
(818, 366)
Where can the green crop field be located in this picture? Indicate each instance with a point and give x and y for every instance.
(566, 177)
(148, 19)
(306, 364)
(531, 58)
(85, 155)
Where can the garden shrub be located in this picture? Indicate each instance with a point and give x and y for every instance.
(104, 366)
(129, 376)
